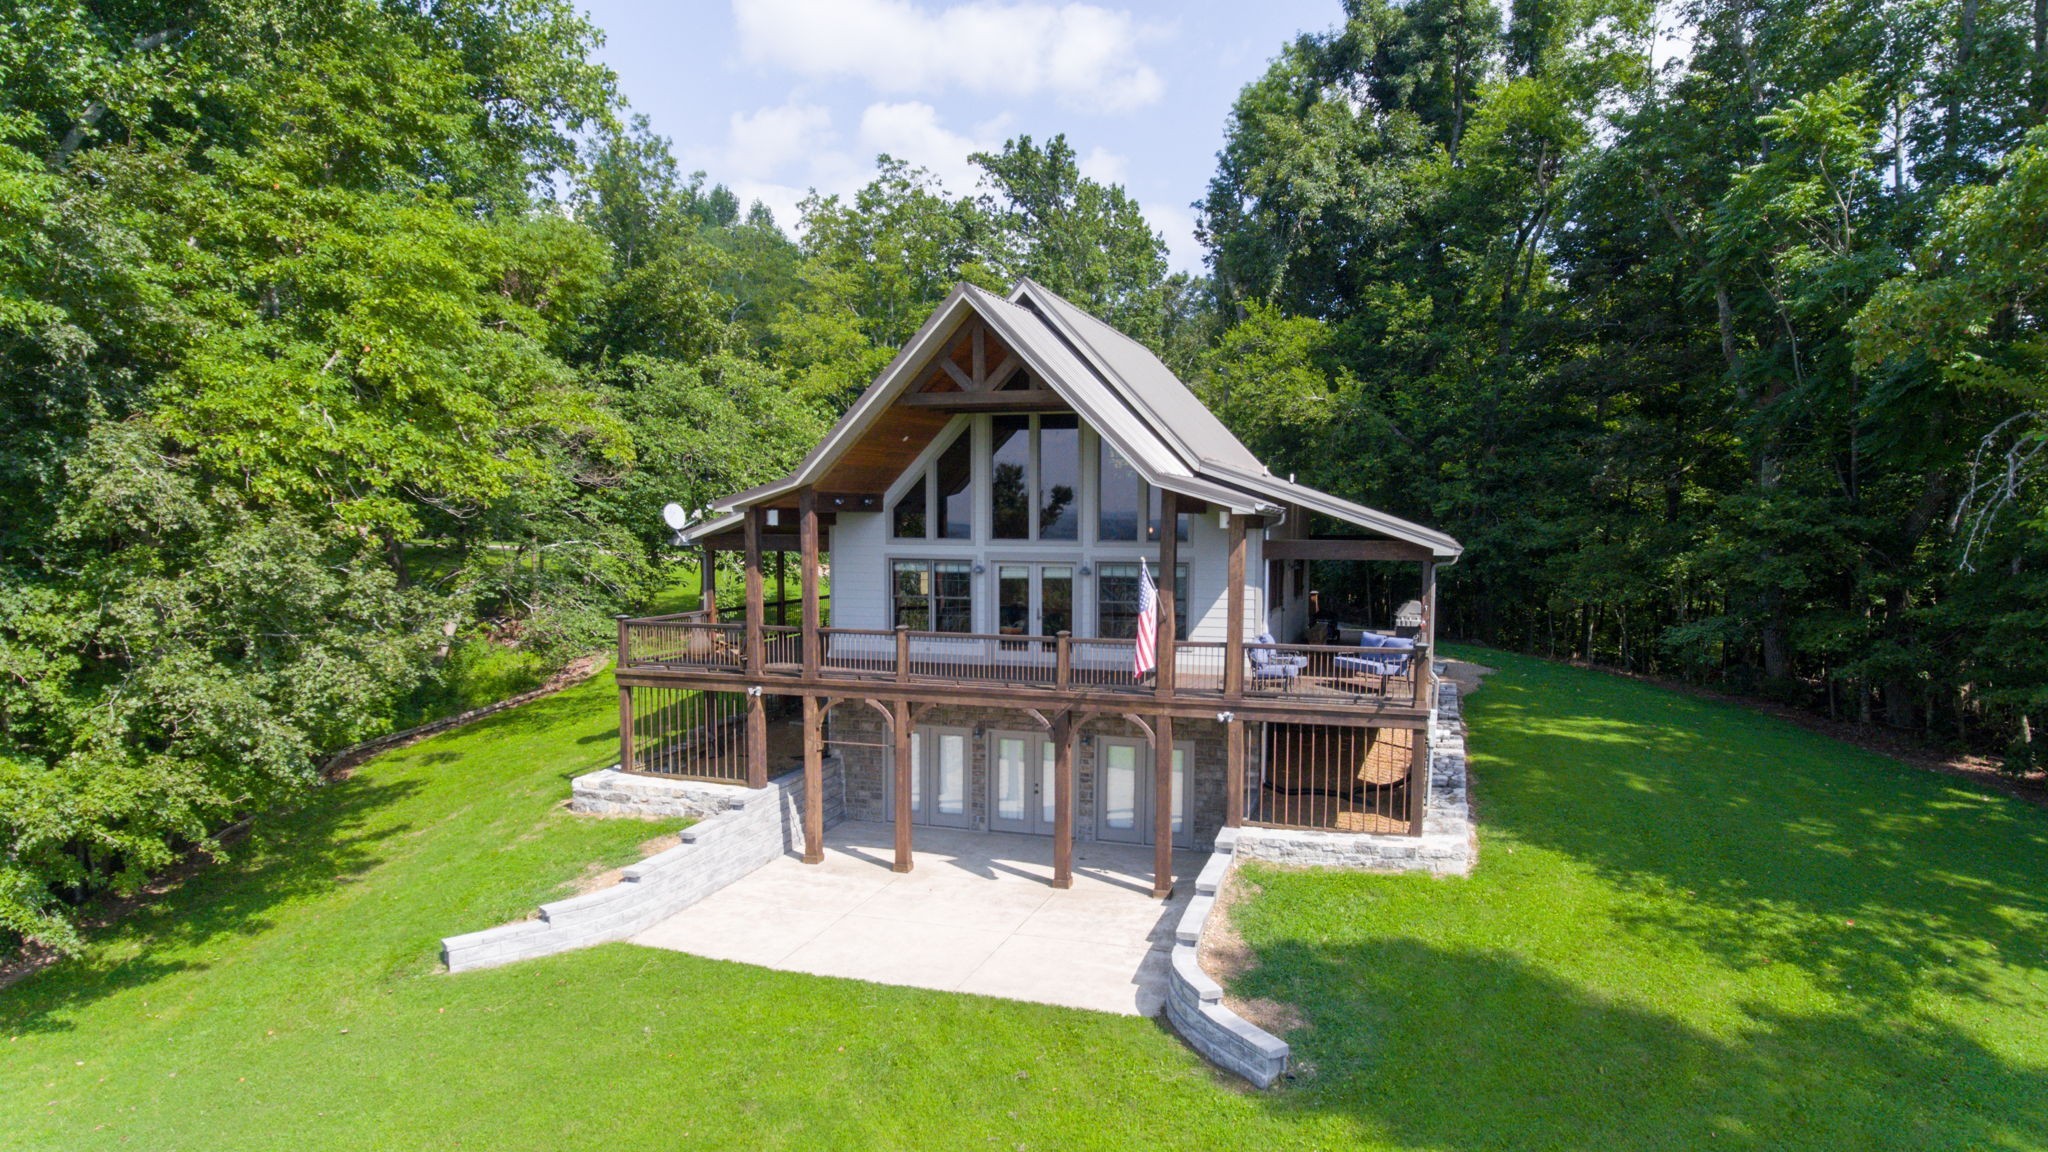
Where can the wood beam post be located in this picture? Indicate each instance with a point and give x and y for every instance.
(814, 784)
(1233, 773)
(1418, 778)
(1063, 800)
(754, 608)
(900, 722)
(807, 531)
(707, 585)
(626, 763)
(1162, 806)
(757, 738)
(1233, 635)
(1169, 562)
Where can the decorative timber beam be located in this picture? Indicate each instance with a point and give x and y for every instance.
(1345, 549)
(1028, 400)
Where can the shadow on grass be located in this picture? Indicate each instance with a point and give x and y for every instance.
(1462, 1050)
(286, 856)
(1759, 843)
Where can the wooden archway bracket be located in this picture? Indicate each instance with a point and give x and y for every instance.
(1134, 718)
(1035, 714)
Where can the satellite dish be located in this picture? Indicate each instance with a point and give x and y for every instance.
(676, 517)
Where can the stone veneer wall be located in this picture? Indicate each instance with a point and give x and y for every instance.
(1194, 1001)
(738, 830)
(869, 770)
(1446, 846)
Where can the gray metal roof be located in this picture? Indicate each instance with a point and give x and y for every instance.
(1124, 392)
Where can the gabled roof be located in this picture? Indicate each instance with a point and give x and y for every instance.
(1118, 386)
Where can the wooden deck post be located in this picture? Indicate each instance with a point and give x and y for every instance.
(1162, 804)
(1063, 798)
(1233, 635)
(807, 532)
(626, 763)
(1418, 778)
(757, 738)
(754, 607)
(1233, 773)
(814, 784)
(1063, 661)
(903, 654)
(901, 724)
(707, 585)
(1169, 563)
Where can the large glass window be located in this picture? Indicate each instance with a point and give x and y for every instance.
(954, 478)
(1121, 492)
(1116, 601)
(1010, 477)
(934, 595)
(1056, 600)
(1059, 477)
(1120, 495)
(942, 499)
(907, 518)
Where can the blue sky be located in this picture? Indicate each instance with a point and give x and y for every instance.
(773, 97)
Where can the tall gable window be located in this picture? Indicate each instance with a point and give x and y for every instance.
(1035, 477)
(940, 504)
(1122, 492)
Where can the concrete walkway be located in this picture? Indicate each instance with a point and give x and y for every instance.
(977, 914)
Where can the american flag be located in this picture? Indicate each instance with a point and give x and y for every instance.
(1146, 656)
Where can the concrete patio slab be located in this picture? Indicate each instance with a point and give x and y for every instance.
(977, 914)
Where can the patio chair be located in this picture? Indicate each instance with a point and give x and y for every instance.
(1268, 669)
(1386, 657)
(1294, 658)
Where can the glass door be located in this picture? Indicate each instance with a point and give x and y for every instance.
(938, 777)
(1124, 791)
(1021, 796)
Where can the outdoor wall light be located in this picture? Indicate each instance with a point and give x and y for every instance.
(1086, 571)
(978, 569)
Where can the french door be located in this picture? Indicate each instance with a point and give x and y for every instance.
(938, 777)
(1020, 782)
(1123, 791)
(1034, 599)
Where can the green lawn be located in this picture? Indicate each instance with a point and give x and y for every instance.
(1692, 927)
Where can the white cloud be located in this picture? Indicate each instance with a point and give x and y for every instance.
(766, 140)
(1177, 225)
(912, 132)
(1084, 55)
(1103, 166)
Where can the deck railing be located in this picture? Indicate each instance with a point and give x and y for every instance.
(1336, 674)
(1340, 778)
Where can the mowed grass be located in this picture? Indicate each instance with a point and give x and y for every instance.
(1692, 927)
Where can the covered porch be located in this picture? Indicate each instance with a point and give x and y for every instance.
(980, 916)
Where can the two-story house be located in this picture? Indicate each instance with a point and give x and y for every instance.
(990, 508)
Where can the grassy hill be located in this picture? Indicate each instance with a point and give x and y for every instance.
(1692, 927)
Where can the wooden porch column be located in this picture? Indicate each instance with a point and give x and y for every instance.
(1063, 801)
(1233, 636)
(814, 784)
(1425, 676)
(707, 585)
(807, 533)
(1233, 773)
(1162, 804)
(901, 725)
(757, 738)
(1169, 561)
(1418, 778)
(625, 729)
(754, 607)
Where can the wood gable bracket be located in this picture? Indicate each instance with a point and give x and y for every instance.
(978, 387)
